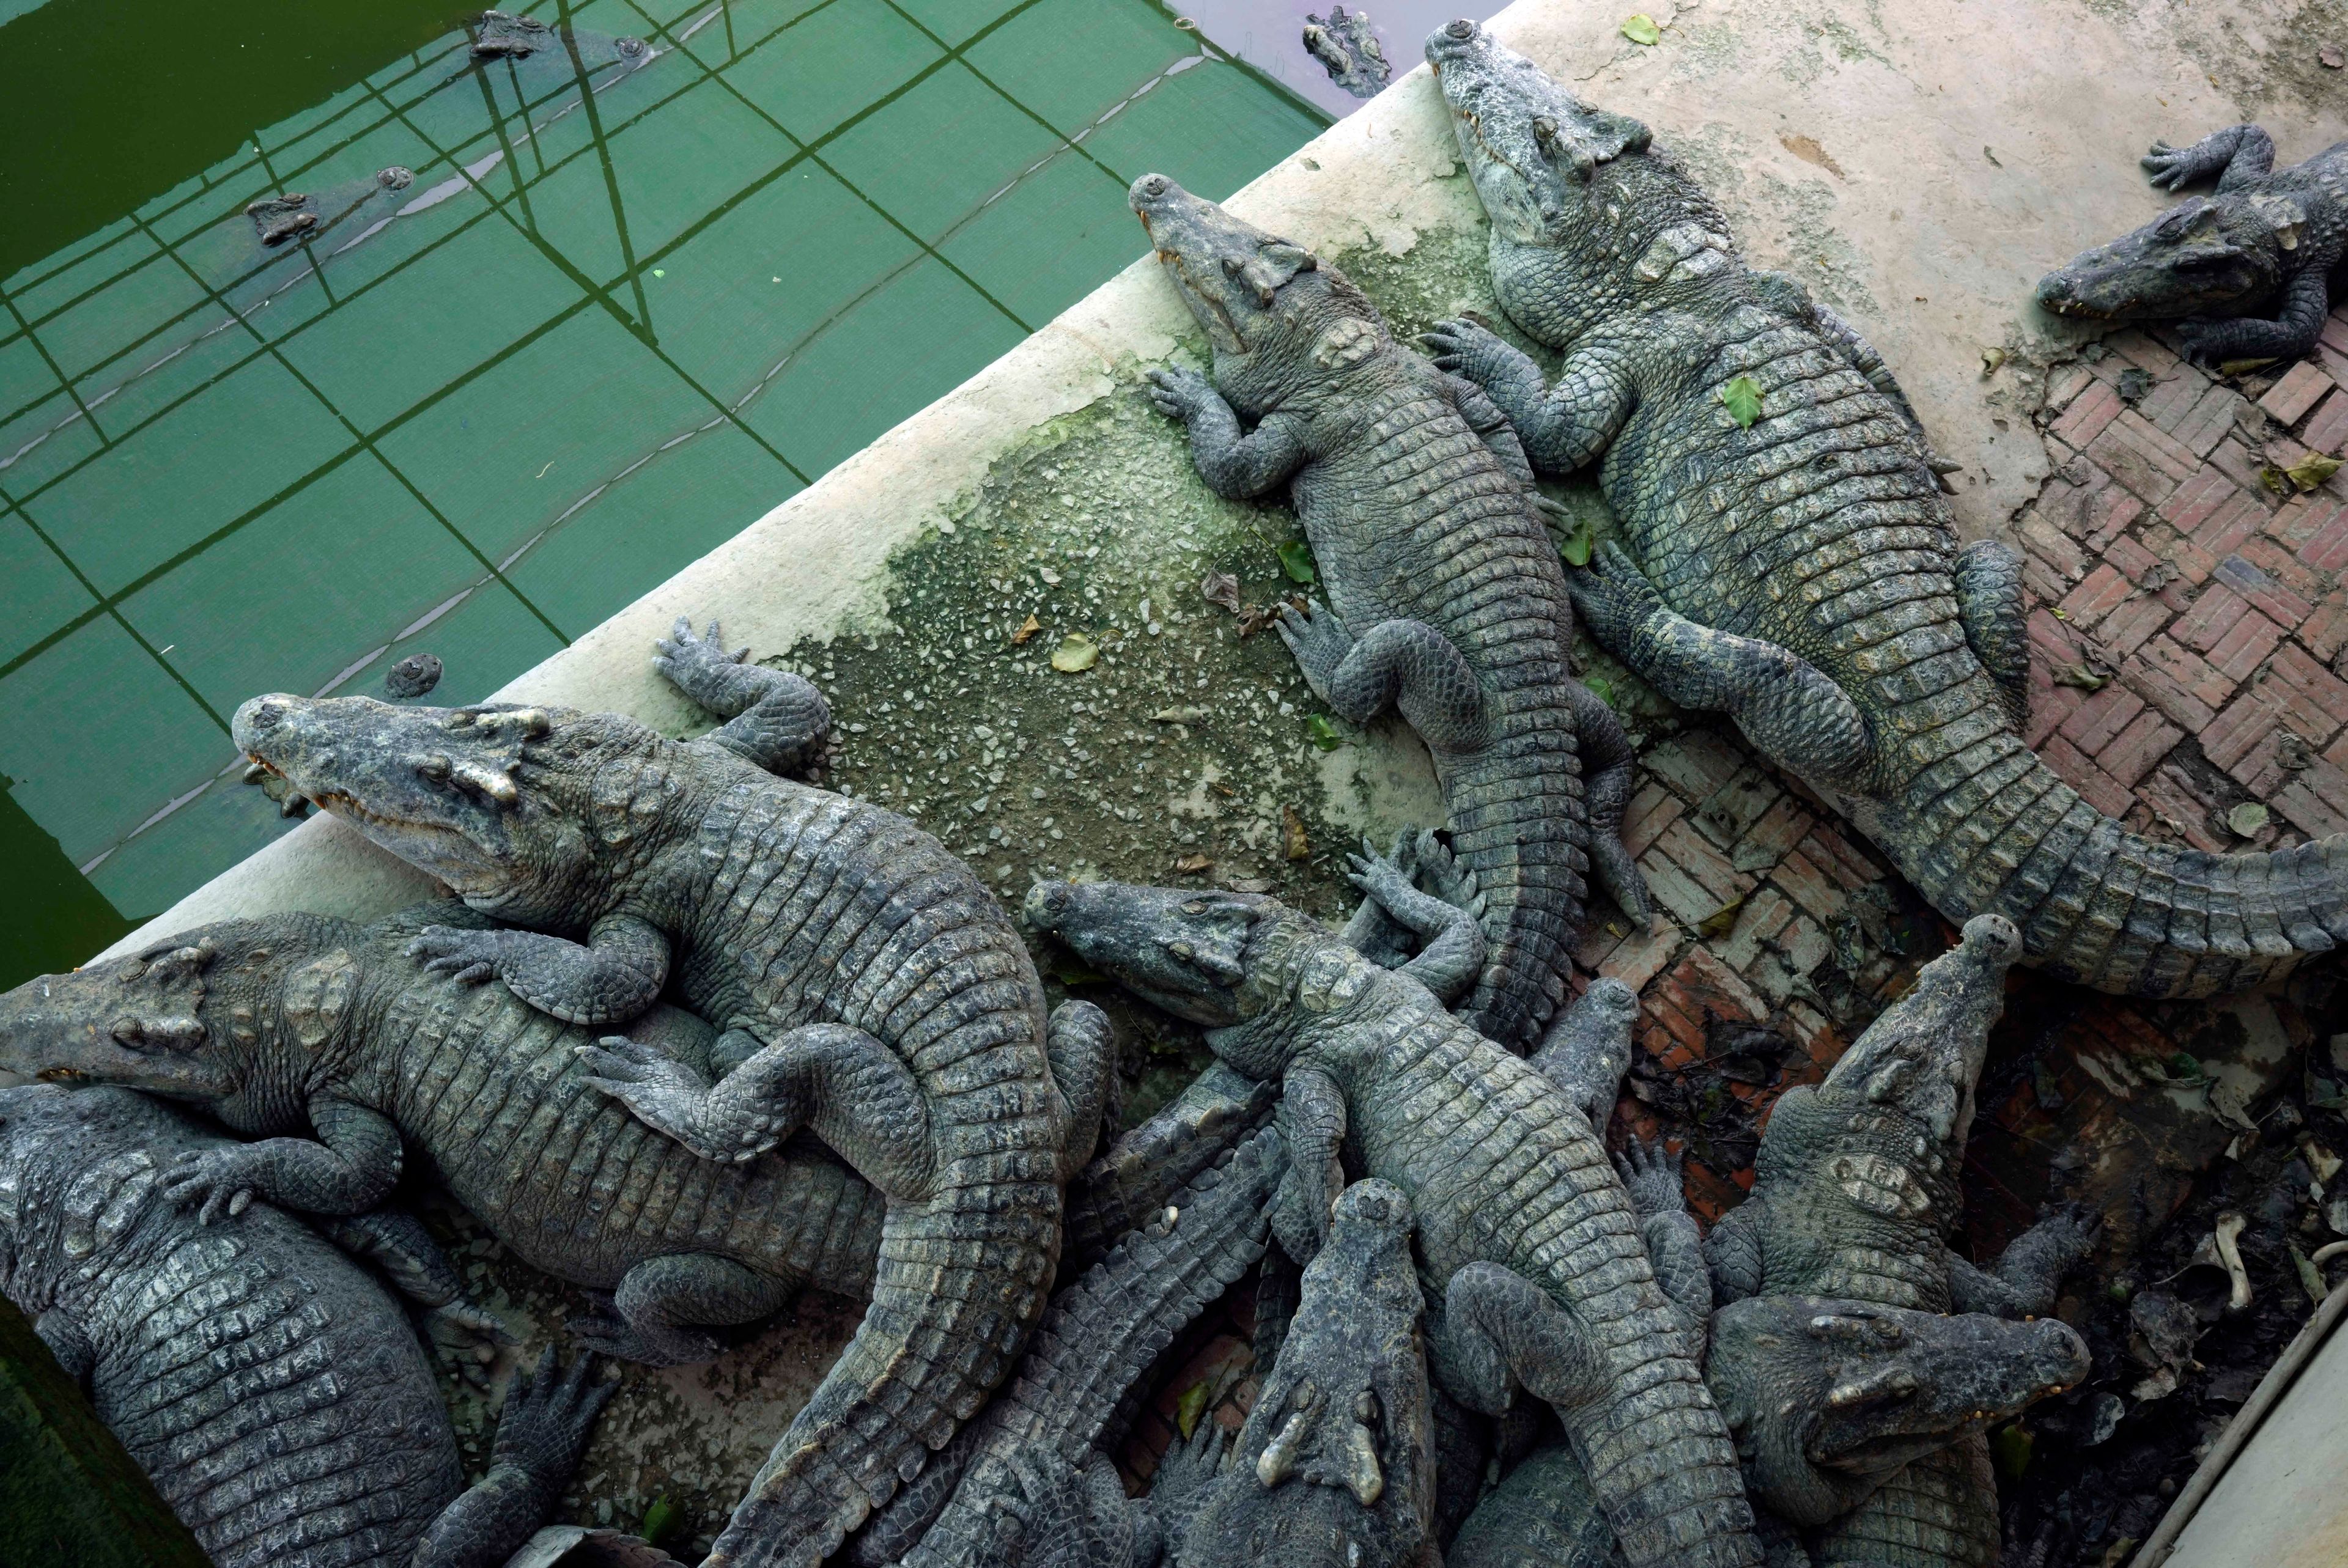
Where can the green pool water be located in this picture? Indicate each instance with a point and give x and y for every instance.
(620, 304)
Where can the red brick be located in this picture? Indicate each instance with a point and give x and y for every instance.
(2178, 682)
(2199, 427)
(2050, 705)
(2131, 753)
(2133, 624)
(2105, 586)
(2326, 632)
(2235, 459)
(2131, 558)
(2245, 645)
(2326, 548)
(2048, 544)
(2148, 353)
(1694, 762)
(2328, 431)
(2294, 574)
(1840, 858)
(2164, 792)
(2240, 516)
(2334, 335)
(2213, 615)
(2232, 734)
(2101, 717)
(2147, 460)
(2193, 563)
(1808, 886)
(2295, 394)
(2050, 636)
(2065, 382)
(1652, 809)
(2197, 500)
(1710, 869)
(2089, 412)
(2312, 699)
(2102, 791)
(2270, 597)
(1779, 828)
(1637, 961)
(2311, 812)
(1716, 990)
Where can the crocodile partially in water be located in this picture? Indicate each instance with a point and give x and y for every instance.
(1445, 599)
(268, 1385)
(1791, 562)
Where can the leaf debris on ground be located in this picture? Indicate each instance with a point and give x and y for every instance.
(1640, 28)
(1295, 844)
(1742, 398)
(1027, 629)
(1297, 561)
(1077, 653)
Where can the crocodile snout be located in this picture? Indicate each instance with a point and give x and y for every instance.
(1047, 905)
(257, 717)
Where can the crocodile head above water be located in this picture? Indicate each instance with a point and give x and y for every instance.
(525, 812)
(1281, 323)
(1335, 1464)
(232, 1015)
(2209, 256)
(1531, 146)
(1828, 1398)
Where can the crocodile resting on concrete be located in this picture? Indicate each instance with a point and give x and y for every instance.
(871, 990)
(2208, 264)
(1855, 1193)
(1028, 1481)
(1446, 598)
(1802, 573)
(1524, 1229)
(270, 1388)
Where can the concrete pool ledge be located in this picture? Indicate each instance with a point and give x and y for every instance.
(1918, 172)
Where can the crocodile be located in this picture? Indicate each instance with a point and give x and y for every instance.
(1036, 1455)
(1445, 597)
(871, 987)
(1800, 571)
(2213, 265)
(1349, 50)
(270, 1388)
(1526, 1235)
(1853, 1195)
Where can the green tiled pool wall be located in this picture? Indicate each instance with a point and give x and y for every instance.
(599, 333)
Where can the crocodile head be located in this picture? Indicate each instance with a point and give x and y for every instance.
(528, 813)
(2208, 256)
(231, 1015)
(1827, 1398)
(1531, 146)
(1335, 1464)
(1280, 323)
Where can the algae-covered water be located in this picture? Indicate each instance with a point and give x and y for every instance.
(545, 328)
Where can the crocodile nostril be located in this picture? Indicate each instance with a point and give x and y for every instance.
(1463, 28)
(1047, 902)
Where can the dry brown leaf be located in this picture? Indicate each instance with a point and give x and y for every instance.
(1294, 842)
(1027, 629)
(1192, 864)
(1221, 587)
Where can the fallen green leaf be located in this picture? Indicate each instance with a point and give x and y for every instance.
(1601, 688)
(2275, 480)
(1578, 542)
(2009, 1446)
(2247, 818)
(1641, 28)
(2079, 675)
(1322, 733)
(661, 1520)
(1742, 397)
(2238, 366)
(2185, 1065)
(1721, 921)
(1077, 653)
(2311, 1279)
(1189, 1406)
(2311, 470)
(1297, 561)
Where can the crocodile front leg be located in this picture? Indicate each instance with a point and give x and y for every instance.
(541, 1432)
(1454, 951)
(397, 1243)
(1235, 466)
(2025, 1280)
(1499, 1333)
(2238, 154)
(1562, 427)
(1996, 625)
(1798, 717)
(857, 1095)
(350, 1169)
(616, 974)
(774, 719)
(69, 1342)
(1485, 417)
(1405, 664)
(1608, 772)
(2306, 299)
(660, 1313)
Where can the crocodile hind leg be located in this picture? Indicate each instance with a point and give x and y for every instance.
(1561, 426)
(1587, 1048)
(1608, 772)
(855, 1093)
(1990, 609)
(541, 1432)
(2026, 1278)
(1499, 1332)
(773, 719)
(1082, 1048)
(2238, 155)
(1312, 1121)
(1655, 1179)
(1406, 664)
(660, 1313)
(1798, 717)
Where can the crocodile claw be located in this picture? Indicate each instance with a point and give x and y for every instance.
(217, 1178)
(471, 957)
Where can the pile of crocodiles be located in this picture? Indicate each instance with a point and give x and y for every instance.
(692, 1035)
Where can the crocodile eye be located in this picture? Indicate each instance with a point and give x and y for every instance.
(1366, 1408)
(433, 769)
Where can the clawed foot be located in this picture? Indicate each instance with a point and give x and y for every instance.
(1318, 639)
(1469, 349)
(1654, 1176)
(1613, 596)
(1193, 1462)
(604, 1331)
(695, 665)
(2070, 1232)
(221, 1179)
(547, 1417)
(471, 957)
(1300, 1205)
(469, 1338)
(1176, 393)
(2170, 167)
(663, 1092)
(1385, 877)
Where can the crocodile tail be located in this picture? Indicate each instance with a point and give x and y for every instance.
(1989, 829)
(1138, 1175)
(1519, 825)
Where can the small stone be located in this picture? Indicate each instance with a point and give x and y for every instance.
(413, 676)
